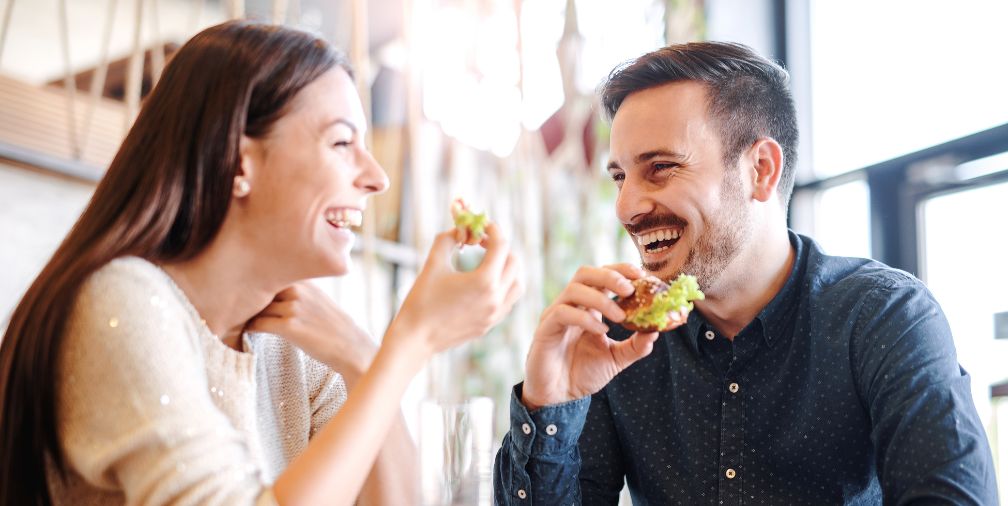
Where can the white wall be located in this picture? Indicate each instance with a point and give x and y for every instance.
(36, 212)
(749, 22)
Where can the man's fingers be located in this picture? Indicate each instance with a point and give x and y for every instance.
(603, 279)
(638, 346)
(562, 315)
(580, 295)
(629, 271)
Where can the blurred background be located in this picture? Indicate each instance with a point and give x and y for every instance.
(902, 110)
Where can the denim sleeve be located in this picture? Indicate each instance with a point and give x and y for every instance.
(538, 462)
(930, 445)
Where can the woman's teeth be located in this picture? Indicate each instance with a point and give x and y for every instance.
(343, 218)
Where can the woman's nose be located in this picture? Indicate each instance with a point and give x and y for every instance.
(372, 177)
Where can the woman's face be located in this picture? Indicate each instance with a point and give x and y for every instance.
(310, 178)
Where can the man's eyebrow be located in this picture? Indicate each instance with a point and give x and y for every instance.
(649, 155)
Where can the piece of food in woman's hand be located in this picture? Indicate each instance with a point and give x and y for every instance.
(471, 225)
(651, 306)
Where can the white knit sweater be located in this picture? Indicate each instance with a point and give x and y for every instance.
(154, 409)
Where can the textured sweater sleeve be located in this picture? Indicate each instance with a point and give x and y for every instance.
(327, 393)
(134, 411)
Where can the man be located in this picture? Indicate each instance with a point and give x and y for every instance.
(801, 378)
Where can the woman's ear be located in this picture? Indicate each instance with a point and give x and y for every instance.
(247, 161)
(767, 164)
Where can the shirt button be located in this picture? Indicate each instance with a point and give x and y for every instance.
(709, 335)
(551, 429)
(733, 388)
(730, 473)
(521, 493)
(526, 429)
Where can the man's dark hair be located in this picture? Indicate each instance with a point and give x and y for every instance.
(749, 96)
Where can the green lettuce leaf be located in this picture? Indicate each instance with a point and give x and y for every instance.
(680, 295)
(475, 222)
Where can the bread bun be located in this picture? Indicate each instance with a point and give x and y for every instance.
(645, 291)
(656, 306)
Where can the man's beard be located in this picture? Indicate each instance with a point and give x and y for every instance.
(721, 241)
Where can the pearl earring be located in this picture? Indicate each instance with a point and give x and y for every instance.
(241, 187)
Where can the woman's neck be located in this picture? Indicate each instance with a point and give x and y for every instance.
(219, 286)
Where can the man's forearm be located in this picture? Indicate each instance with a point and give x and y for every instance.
(538, 462)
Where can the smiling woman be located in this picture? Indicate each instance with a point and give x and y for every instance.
(170, 352)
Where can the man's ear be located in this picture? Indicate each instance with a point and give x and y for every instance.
(766, 164)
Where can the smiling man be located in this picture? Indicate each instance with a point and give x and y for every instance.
(802, 378)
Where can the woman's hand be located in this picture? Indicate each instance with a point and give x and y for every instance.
(308, 318)
(446, 307)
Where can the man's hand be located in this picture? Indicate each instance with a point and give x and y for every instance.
(307, 317)
(571, 356)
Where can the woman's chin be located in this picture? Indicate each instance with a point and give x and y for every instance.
(339, 266)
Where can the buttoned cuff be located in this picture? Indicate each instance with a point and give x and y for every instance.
(549, 430)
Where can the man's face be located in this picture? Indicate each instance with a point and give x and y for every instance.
(685, 210)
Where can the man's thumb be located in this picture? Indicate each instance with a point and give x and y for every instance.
(631, 350)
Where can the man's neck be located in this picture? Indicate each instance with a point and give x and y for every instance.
(749, 283)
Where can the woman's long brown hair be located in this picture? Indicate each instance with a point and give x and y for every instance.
(163, 198)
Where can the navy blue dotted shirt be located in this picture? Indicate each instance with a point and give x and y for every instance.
(845, 389)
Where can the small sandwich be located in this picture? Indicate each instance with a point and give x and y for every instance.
(471, 225)
(651, 306)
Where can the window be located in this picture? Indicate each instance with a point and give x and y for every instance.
(836, 217)
(965, 267)
(889, 78)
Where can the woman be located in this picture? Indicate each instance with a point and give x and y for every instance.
(135, 369)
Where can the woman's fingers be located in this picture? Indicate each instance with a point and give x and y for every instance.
(279, 309)
(266, 323)
(440, 253)
(497, 251)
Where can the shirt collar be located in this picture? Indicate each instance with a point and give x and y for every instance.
(776, 317)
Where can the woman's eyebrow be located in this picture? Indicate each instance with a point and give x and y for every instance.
(349, 124)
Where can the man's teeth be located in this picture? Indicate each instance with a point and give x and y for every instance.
(344, 218)
(658, 235)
